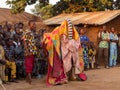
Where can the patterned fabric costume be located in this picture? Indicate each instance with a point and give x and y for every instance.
(56, 72)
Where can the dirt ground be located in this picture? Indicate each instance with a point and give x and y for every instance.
(98, 79)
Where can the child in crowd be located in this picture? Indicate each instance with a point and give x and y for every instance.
(91, 55)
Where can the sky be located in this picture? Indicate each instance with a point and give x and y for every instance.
(27, 9)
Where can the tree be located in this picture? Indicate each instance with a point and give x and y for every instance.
(60, 7)
(45, 10)
(18, 6)
(116, 4)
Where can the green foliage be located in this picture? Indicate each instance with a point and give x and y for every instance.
(74, 8)
(117, 4)
(17, 6)
(45, 10)
(59, 7)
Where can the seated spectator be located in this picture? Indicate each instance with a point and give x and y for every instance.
(9, 56)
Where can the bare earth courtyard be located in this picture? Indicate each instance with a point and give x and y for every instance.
(101, 79)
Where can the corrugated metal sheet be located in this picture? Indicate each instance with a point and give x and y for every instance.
(5, 15)
(93, 18)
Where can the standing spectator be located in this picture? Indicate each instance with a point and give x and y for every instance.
(19, 52)
(113, 47)
(104, 39)
(30, 50)
(21, 26)
(84, 43)
(8, 33)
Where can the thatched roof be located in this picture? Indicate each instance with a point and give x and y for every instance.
(5, 15)
(93, 18)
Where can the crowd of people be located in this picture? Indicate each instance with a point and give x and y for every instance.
(13, 52)
(63, 54)
(107, 44)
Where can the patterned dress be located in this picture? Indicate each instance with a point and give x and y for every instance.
(85, 49)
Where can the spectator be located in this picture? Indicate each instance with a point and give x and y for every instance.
(104, 39)
(30, 49)
(84, 43)
(92, 54)
(19, 53)
(113, 47)
(9, 56)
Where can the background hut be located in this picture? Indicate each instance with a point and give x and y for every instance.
(93, 20)
(6, 15)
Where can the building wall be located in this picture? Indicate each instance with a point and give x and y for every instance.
(92, 31)
(115, 23)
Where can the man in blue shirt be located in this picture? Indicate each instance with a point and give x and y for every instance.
(113, 47)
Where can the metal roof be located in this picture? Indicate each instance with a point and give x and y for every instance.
(93, 18)
(5, 15)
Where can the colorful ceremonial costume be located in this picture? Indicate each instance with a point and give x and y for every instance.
(58, 63)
